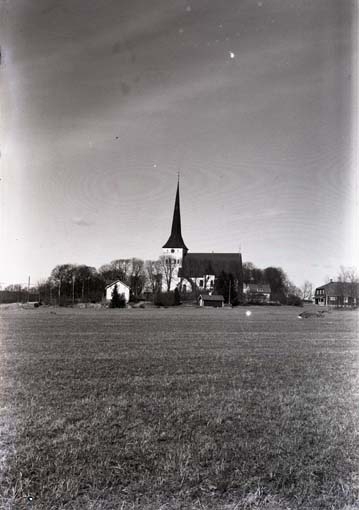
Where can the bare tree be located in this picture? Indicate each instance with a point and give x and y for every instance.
(123, 268)
(153, 275)
(80, 275)
(108, 273)
(348, 274)
(167, 265)
(138, 277)
(251, 273)
(307, 291)
(348, 285)
(119, 269)
(15, 287)
(61, 278)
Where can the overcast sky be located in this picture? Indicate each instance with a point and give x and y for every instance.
(103, 102)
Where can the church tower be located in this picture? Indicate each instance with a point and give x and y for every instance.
(174, 249)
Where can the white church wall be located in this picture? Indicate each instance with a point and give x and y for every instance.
(205, 282)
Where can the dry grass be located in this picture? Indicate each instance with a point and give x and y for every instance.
(180, 409)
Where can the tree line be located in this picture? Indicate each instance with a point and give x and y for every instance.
(71, 283)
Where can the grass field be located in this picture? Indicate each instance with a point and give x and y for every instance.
(180, 408)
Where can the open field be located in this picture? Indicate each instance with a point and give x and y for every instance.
(179, 408)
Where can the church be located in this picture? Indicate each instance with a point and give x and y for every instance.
(189, 271)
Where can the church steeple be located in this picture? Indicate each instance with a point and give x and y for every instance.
(175, 240)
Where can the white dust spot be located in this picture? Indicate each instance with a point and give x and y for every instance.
(231, 54)
(188, 8)
(248, 313)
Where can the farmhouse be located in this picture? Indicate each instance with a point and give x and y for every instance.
(338, 294)
(257, 292)
(188, 271)
(122, 288)
(211, 300)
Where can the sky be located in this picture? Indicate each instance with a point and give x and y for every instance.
(104, 102)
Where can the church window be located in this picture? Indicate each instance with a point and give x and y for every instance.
(201, 283)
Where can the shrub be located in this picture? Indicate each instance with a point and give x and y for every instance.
(294, 300)
(236, 301)
(117, 300)
(177, 297)
(165, 299)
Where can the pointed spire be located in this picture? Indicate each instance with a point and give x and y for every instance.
(175, 240)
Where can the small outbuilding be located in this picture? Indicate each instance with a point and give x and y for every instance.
(122, 288)
(216, 301)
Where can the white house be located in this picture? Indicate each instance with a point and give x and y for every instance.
(257, 292)
(122, 288)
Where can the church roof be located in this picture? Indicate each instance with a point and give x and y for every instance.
(198, 264)
(175, 240)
